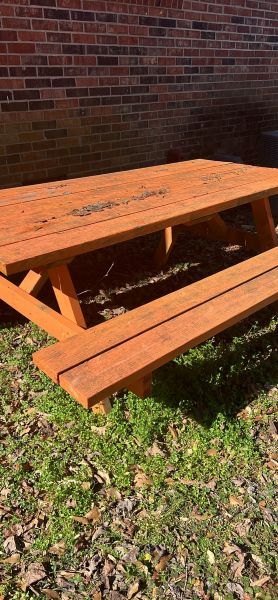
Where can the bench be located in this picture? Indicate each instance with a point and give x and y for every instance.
(123, 352)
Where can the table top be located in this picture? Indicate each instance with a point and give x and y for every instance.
(45, 223)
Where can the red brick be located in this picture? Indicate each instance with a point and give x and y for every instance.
(21, 48)
(171, 68)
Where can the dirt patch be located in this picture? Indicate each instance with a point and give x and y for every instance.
(91, 208)
(99, 206)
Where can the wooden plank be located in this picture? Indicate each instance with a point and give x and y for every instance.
(55, 189)
(24, 255)
(31, 308)
(34, 281)
(141, 355)
(58, 358)
(66, 295)
(41, 218)
(264, 223)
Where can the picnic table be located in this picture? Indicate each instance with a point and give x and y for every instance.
(44, 226)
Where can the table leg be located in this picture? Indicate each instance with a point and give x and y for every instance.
(70, 307)
(66, 295)
(142, 387)
(264, 224)
(165, 247)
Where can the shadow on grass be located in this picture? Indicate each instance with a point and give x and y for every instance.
(224, 375)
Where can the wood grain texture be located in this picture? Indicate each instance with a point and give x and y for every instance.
(55, 324)
(23, 255)
(92, 183)
(264, 224)
(65, 293)
(91, 381)
(56, 359)
(44, 216)
(34, 281)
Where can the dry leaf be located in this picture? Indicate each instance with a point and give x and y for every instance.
(11, 560)
(272, 464)
(212, 452)
(113, 493)
(51, 594)
(12, 544)
(173, 432)
(81, 520)
(141, 479)
(133, 589)
(258, 561)
(188, 481)
(237, 567)
(169, 480)
(199, 517)
(162, 564)
(211, 557)
(97, 596)
(235, 589)
(211, 484)
(236, 501)
(58, 549)
(102, 477)
(93, 515)
(99, 430)
(68, 574)
(36, 572)
(154, 451)
(260, 582)
(243, 528)
(86, 485)
(230, 548)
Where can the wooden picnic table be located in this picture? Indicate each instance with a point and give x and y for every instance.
(44, 226)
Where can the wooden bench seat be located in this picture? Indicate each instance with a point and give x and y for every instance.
(124, 351)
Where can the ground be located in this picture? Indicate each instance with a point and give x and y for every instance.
(169, 497)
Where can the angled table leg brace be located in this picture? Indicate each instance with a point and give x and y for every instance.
(216, 229)
(66, 324)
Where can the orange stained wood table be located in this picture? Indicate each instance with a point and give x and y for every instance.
(43, 227)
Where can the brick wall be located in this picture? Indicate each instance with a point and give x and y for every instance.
(88, 86)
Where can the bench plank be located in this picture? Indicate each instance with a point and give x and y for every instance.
(116, 368)
(65, 355)
(60, 246)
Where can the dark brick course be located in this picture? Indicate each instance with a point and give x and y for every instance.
(87, 87)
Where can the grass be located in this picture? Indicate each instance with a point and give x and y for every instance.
(179, 488)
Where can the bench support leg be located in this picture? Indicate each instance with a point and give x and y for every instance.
(69, 306)
(66, 295)
(142, 387)
(103, 407)
(264, 224)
